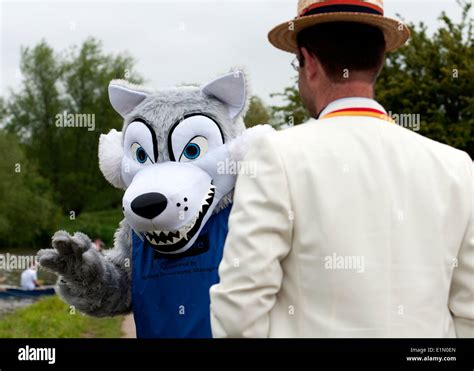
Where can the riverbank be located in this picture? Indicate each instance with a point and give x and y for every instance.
(52, 318)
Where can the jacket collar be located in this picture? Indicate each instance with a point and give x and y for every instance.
(352, 102)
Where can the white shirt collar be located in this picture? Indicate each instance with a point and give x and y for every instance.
(352, 102)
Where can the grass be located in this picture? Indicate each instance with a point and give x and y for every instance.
(96, 224)
(51, 318)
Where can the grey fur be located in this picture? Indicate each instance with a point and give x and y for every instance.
(94, 284)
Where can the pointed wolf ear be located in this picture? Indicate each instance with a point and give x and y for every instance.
(232, 90)
(124, 96)
(110, 157)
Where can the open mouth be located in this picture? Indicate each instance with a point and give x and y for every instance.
(169, 241)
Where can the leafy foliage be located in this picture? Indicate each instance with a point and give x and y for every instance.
(292, 112)
(28, 212)
(433, 76)
(96, 224)
(74, 82)
(257, 114)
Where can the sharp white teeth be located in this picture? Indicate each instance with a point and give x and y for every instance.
(209, 195)
(157, 237)
(183, 232)
(150, 238)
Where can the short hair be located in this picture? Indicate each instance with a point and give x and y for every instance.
(345, 47)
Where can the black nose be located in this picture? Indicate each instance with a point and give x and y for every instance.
(149, 205)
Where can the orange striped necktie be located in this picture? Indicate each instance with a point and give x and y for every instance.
(367, 112)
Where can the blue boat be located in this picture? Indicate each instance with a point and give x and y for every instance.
(16, 292)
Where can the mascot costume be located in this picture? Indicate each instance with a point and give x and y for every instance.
(172, 159)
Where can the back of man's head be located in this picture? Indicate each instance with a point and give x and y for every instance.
(346, 50)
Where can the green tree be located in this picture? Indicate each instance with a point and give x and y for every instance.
(432, 76)
(30, 112)
(74, 82)
(257, 113)
(291, 112)
(28, 214)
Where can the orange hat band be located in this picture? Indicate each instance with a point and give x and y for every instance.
(334, 6)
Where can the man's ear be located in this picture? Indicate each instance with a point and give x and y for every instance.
(124, 96)
(232, 89)
(311, 64)
(110, 157)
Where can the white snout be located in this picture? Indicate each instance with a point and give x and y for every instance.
(184, 187)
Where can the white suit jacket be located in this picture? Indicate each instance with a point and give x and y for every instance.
(349, 227)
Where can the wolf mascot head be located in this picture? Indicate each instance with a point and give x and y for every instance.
(170, 157)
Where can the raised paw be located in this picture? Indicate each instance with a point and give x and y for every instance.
(66, 257)
(66, 244)
(52, 261)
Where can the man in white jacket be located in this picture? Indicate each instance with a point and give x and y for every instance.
(353, 225)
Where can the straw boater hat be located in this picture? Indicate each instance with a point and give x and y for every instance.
(313, 12)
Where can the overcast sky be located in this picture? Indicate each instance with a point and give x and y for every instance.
(174, 41)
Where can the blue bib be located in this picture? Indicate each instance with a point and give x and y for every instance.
(170, 295)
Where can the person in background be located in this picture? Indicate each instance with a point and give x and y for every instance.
(98, 244)
(29, 278)
(2, 280)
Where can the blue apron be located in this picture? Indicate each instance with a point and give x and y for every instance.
(170, 295)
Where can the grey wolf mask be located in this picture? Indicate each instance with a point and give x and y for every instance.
(170, 157)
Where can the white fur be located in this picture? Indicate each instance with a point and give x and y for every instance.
(110, 157)
(239, 147)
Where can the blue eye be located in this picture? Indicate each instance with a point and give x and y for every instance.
(192, 151)
(195, 149)
(141, 155)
